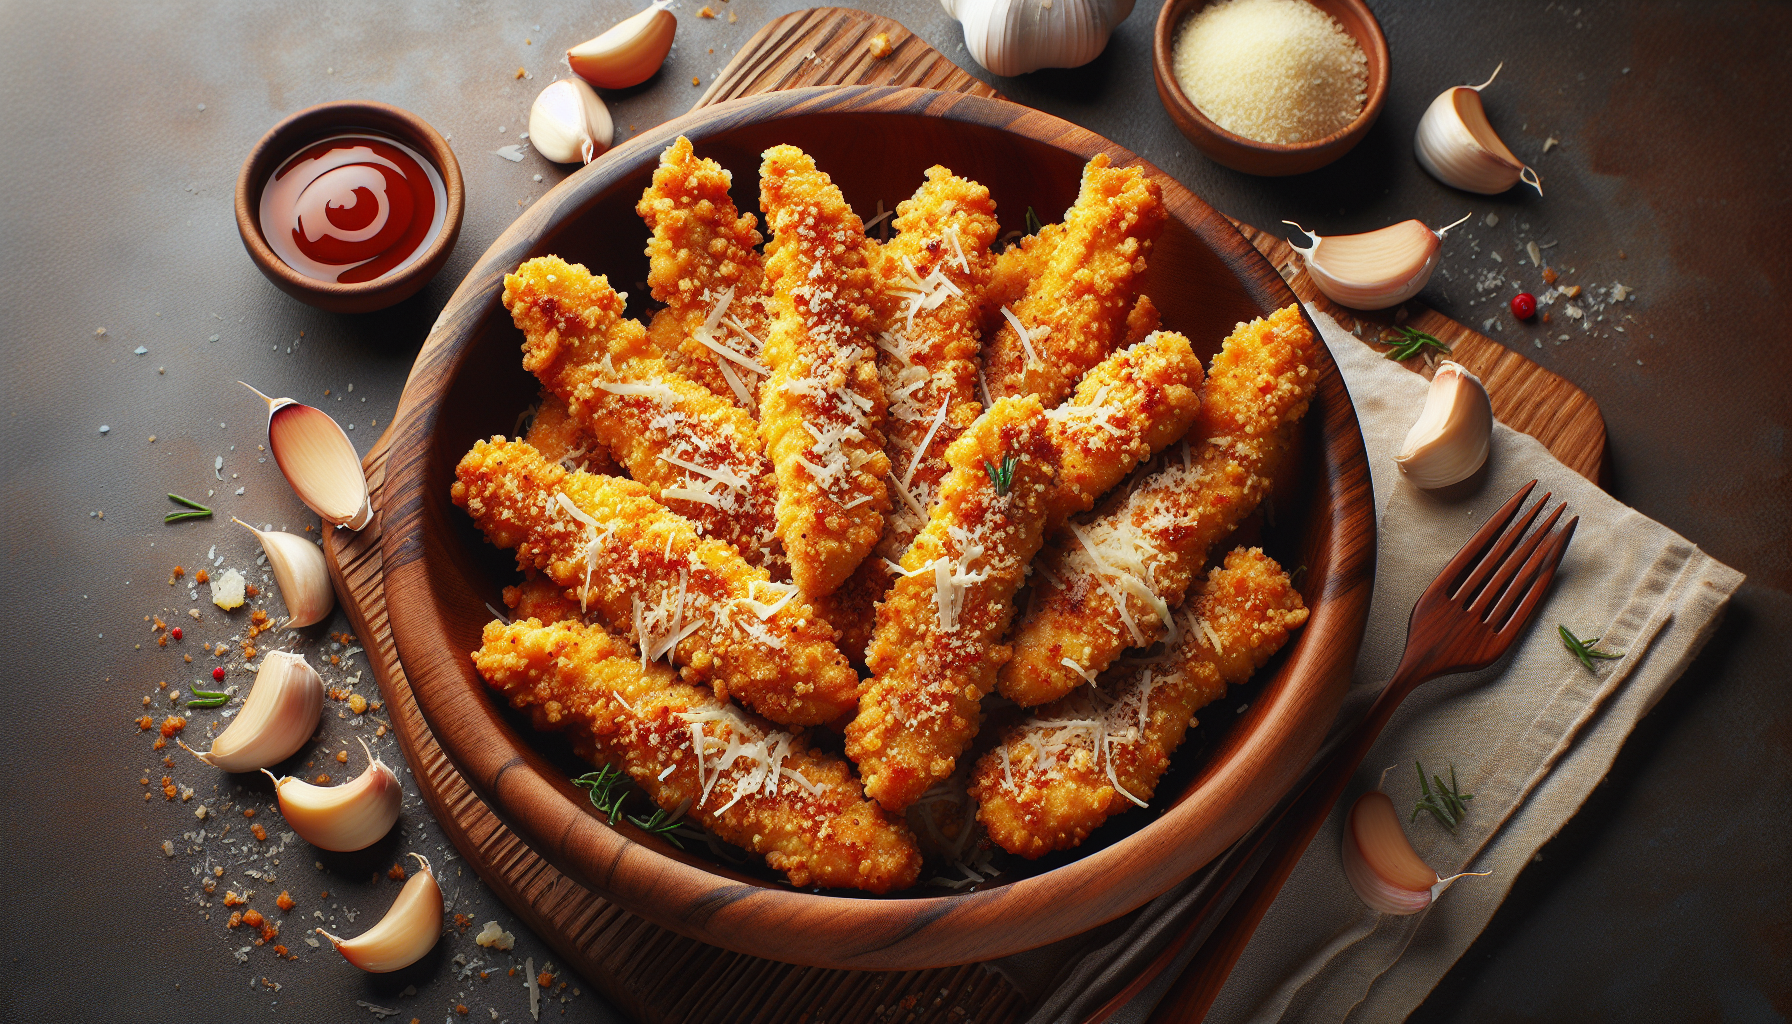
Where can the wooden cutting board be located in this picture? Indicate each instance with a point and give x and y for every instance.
(652, 974)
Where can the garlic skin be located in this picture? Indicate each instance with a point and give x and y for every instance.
(1013, 37)
(408, 930)
(317, 459)
(1458, 146)
(1376, 269)
(569, 124)
(628, 53)
(1381, 864)
(301, 574)
(279, 716)
(345, 818)
(1451, 438)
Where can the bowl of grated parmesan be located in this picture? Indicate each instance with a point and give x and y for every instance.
(1271, 87)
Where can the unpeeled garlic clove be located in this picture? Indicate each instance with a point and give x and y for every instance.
(280, 714)
(300, 571)
(408, 930)
(315, 456)
(1381, 864)
(629, 53)
(1376, 269)
(1457, 144)
(1453, 433)
(345, 818)
(1013, 37)
(568, 123)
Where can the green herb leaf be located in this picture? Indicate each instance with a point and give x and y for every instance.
(197, 698)
(1002, 477)
(176, 517)
(1033, 225)
(1449, 805)
(1413, 342)
(660, 824)
(190, 503)
(607, 791)
(1583, 649)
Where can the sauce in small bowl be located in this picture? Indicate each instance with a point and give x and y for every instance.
(350, 207)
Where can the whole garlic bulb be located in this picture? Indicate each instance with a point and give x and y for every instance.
(1013, 37)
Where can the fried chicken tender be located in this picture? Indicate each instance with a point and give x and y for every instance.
(1082, 759)
(1112, 581)
(540, 598)
(648, 575)
(1082, 279)
(938, 640)
(559, 438)
(704, 264)
(698, 454)
(821, 410)
(754, 786)
(927, 363)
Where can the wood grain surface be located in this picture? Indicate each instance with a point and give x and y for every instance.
(657, 975)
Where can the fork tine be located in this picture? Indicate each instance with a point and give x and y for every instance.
(1472, 589)
(1472, 550)
(1501, 583)
(1533, 581)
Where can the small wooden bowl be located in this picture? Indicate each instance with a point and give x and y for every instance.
(876, 142)
(320, 122)
(1268, 158)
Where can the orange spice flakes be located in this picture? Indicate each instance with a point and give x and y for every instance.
(321, 780)
(462, 922)
(145, 723)
(248, 812)
(251, 590)
(544, 979)
(162, 641)
(236, 919)
(285, 901)
(460, 1008)
(159, 624)
(396, 873)
(169, 791)
(160, 743)
(357, 703)
(176, 573)
(202, 577)
(260, 833)
(252, 918)
(879, 47)
(1549, 275)
(173, 724)
(231, 899)
(707, 12)
(342, 757)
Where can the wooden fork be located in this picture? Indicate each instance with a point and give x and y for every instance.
(1464, 621)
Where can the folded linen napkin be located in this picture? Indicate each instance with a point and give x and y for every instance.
(1529, 737)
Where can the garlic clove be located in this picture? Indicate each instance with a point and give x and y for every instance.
(569, 124)
(300, 571)
(317, 459)
(1453, 433)
(408, 930)
(1013, 37)
(345, 818)
(629, 53)
(1383, 868)
(1376, 269)
(280, 714)
(1457, 144)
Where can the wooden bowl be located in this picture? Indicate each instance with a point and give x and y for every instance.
(1269, 158)
(876, 142)
(320, 122)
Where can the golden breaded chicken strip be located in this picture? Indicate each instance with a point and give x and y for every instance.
(559, 438)
(737, 775)
(939, 262)
(697, 453)
(704, 264)
(938, 640)
(1079, 761)
(540, 598)
(822, 409)
(649, 576)
(1110, 583)
(1081, 286)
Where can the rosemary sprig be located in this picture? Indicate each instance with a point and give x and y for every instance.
(1583, 649)
(197, 698)
(200, 511)
(1002, 477)
(1412, 343)
(607, 792)
(1449, 805)
(660, 824)
(1033, 225)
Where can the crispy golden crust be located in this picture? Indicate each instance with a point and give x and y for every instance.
(927, 361)
(659, 424)
(540, 598)
(936, 651)
(1054, 779)
(1156, 539)
(822, 408)
(1127, 409)
(814, 824)
(649, 576)
(702, 249)
(559, 438)
(1083, 277)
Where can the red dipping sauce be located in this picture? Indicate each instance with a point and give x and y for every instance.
(354, 207)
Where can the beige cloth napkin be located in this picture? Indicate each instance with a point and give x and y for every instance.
(1530, 737)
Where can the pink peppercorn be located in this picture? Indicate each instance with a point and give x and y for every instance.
(175, 632)
(1524, 305)
(218, 673)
